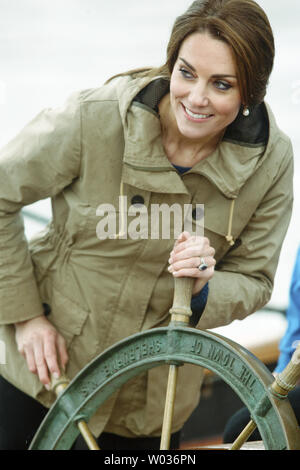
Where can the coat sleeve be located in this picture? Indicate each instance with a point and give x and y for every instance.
(243, 280)
(42, 160)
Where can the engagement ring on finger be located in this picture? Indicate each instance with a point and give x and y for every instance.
(203, 266)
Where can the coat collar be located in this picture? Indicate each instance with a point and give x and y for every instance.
(240, 153)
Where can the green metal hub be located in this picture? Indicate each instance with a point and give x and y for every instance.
(175, 344)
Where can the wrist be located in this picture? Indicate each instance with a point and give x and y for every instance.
(198, 304)
(24, 322)
(198, 286)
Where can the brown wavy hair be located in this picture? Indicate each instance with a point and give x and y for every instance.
(244, 26)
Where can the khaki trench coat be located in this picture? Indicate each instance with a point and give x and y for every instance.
(106, 142)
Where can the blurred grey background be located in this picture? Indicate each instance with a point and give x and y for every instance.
(50, 48)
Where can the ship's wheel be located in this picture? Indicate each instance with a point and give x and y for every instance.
(175, 345)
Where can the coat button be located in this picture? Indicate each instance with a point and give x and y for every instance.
(137, 201)
(198, 213)
(47, 309)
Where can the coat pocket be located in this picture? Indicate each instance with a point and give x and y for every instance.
(67, 316)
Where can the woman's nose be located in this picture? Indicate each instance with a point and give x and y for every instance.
(198, 96)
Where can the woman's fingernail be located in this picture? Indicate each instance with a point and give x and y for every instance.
(47, 386)
(55, 375)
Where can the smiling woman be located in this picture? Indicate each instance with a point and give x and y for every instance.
(244, 27)
(204, 99)
(219, 58)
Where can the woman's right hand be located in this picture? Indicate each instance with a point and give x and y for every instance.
(43, 347)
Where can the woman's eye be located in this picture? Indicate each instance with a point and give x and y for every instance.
(222, 85)
(185, 73)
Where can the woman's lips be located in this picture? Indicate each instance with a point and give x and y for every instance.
(195, 117)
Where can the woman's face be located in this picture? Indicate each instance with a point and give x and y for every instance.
(204, 92)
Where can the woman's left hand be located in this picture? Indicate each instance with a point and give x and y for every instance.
(187, 255)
